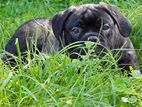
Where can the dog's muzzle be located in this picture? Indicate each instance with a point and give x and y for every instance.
(82, 49)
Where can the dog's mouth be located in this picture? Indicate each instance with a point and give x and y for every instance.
(83, 48)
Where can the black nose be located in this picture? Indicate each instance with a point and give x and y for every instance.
(92, 38)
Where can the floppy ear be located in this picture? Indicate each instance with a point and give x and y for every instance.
(58, 22)
(122, 22)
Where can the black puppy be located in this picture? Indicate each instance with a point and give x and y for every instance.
(89, 22)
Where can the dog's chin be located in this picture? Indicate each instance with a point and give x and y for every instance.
(77, 53)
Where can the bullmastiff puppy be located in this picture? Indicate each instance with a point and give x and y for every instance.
(101, 23)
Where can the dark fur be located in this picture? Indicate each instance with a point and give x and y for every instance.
(92, 21)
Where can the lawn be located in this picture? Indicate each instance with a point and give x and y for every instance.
(58, 80)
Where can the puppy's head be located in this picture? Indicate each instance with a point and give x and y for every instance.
(91, 22)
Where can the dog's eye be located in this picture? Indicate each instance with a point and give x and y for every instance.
(106, 27)
(75, 31)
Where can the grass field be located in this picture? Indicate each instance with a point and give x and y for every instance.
(55, 81)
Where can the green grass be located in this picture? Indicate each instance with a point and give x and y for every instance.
(58, 80)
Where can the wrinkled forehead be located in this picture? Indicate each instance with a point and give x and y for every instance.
(89, 13)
